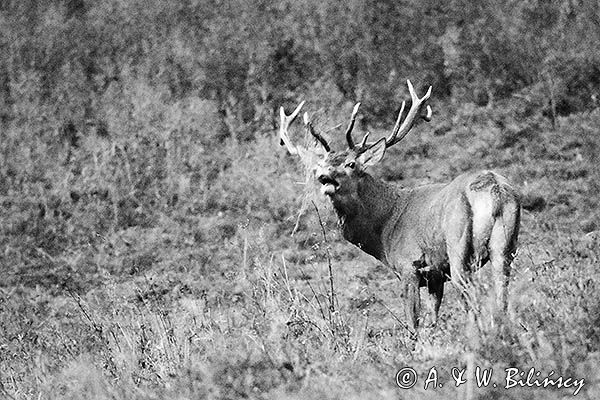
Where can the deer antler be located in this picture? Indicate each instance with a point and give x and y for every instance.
(401, 130)
(351, 126)
(284, 138)
(286, 120)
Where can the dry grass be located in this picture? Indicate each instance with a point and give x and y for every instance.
(130, 295)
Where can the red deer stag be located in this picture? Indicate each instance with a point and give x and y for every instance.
(428, 234)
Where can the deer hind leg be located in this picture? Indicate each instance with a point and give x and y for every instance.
(502, 247)
(459, 238)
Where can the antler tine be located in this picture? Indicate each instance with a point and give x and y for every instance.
(351, 126)
(398, 120)
(286, 120)
(363, 144)
(310, 128)
(400, 131)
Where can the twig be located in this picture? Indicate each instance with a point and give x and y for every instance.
(315, 294)
(402, 323)
(332, 287)
(97, 327)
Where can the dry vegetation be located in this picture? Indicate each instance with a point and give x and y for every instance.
(211, 296)
(146, 228)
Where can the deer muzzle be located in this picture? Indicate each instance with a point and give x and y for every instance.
(329, 185)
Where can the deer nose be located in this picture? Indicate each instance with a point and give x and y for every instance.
(325, 179)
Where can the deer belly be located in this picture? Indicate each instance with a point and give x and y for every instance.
(433, 260)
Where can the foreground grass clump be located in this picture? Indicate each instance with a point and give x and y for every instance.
(179, 278)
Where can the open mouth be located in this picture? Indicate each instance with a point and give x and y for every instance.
(330, 185)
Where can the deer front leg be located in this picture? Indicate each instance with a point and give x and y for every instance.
(435, 288)
(412, 301)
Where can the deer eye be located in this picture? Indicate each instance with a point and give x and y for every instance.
(350, 164)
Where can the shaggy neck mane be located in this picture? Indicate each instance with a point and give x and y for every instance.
(363, 216)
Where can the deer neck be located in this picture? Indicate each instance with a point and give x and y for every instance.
(363, 215)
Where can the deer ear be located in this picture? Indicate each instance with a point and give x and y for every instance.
(373, 154)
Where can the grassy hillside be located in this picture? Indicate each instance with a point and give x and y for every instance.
(156, 263)
(156, 242)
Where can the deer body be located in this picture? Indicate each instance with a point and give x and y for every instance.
(427, 235)
(431, 233)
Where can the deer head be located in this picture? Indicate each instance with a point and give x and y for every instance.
(340, 172)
